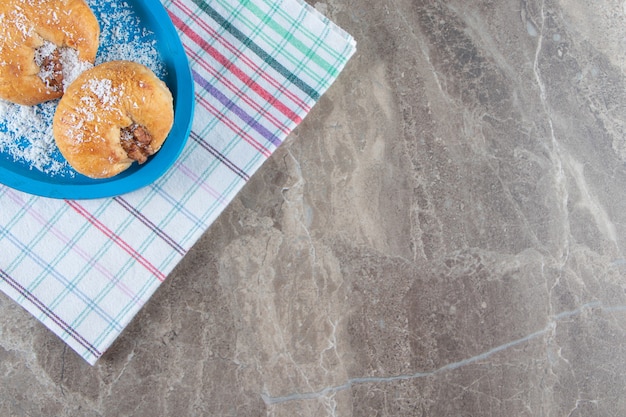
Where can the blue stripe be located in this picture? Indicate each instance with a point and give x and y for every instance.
(67, 285)
(49, 313)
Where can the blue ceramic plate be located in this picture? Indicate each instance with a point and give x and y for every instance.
(125, 24)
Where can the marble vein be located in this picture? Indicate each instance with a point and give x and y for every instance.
(550, 327)
(442, 235)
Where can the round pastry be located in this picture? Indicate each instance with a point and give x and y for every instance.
(44, 44)
(112, 115)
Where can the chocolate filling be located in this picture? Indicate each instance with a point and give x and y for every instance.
(135, 141)
(52, 69)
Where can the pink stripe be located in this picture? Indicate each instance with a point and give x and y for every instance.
(67, 241)
(116, 239)
(197, 19)
(198, 181)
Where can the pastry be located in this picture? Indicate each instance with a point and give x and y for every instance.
(112, 115)
(44, 44)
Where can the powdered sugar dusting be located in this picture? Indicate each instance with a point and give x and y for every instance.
(36, 145)
(26, 132)
(98, 96)
(44, 51)
(72, 66)
(21, 22)
(129, 45)
(103, 89)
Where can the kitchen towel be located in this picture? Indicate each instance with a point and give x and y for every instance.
(84, 268)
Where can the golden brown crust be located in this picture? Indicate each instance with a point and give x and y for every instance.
(100, 106)
(26, 25)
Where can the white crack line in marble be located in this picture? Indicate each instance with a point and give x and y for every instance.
(324, 393)
(423, 50)
(556, 153)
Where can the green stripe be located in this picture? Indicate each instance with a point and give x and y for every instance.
(6, 229)
(278, 46)
(123, 316)
(308, 34)
(289, 37)
(90, 302)
(292, 78)
(117, 321)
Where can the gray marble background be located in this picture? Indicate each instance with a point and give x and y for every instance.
(442, 236)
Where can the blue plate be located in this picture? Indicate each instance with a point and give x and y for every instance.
(122, 22)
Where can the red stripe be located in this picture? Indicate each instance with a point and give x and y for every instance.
(116, 239)
(236, 71)
(283, 89)
(258, 89)
(78, 250)
(202, 23)
(146, 222)
(240, 94)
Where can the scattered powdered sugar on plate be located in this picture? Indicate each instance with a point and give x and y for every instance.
(130, 45)
(31, 124)
(26, 131)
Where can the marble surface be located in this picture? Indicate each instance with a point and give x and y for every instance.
(443, 236)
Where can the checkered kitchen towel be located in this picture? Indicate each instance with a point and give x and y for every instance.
(85, 268)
